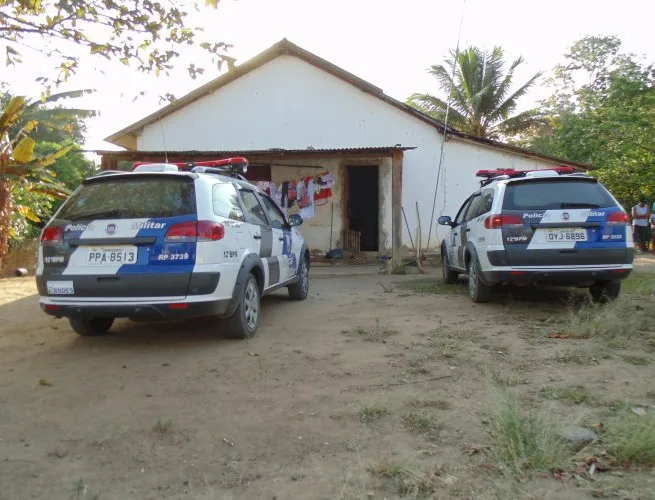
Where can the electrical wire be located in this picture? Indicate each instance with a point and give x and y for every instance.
(445, 130)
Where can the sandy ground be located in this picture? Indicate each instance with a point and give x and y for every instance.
(307, 409)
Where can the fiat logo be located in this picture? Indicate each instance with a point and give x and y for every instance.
(111, 228)
(565, 216)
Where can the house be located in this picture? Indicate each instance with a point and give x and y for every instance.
(295, 115)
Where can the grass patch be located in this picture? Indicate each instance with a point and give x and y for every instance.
(630, 438)
(422, 421)
(372, 413)
(418, 402)
(502, 380)
(576, 395)
(431, 286)
(525, 441)
(636, 360)
(640, 283)
(416, 366)
(405, 481)
(581, 357)
(162, 426)
(378, 333)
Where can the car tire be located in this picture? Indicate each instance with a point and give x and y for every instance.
(450, 277)
(91, 327)
(244, 321)
(602, 291)
(478, 290)
(300, 289)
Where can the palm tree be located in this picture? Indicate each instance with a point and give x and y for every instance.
(481, 100)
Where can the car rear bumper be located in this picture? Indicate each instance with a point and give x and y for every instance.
(157, 310)
(565, 277)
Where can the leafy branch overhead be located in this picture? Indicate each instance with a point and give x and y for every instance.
(144, 33)
(481, 95)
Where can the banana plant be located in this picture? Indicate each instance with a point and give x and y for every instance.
(20, 168)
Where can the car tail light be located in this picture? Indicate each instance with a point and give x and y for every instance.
(195, 231)
(497, 221)
(210, 231)
(52, 233)
(618, 218)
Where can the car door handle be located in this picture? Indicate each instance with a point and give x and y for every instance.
(257, 237)
(281, 239)
(468, 230)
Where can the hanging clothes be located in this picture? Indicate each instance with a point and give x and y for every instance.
(308, 212)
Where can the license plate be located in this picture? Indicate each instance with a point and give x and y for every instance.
(564, 235)
(60, 288)
(111, 256)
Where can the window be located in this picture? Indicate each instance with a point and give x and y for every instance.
(556, 194)
(131, 198)
(486, 203)
(460, 215)
(274, 213)
(473, 208)
(254, 210)
(226, 202)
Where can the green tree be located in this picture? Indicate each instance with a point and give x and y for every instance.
(602, 112)
(144, 33)
(482, 98)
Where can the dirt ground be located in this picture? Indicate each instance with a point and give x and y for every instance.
(371, 375)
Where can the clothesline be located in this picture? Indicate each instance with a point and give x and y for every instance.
(302, 194)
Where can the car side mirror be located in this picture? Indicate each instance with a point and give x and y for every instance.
(445, 220)
(295, 220)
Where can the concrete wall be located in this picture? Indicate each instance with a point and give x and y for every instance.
(290, 104)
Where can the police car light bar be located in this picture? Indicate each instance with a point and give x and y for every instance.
(235, 163)
(489, 174)
(156, 167)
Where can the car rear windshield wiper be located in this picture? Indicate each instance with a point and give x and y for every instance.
(97, 215)
(579, 205)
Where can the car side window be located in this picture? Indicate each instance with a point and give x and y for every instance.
(225, 201)
(460, 215)
(486, 202)
(278, 220)
(255, 213)
(473, 207)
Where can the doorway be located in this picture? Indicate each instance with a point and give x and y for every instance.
(363, 205)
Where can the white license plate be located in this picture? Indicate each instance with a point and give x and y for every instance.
(564, 235)
(60, 288)
(111, 256)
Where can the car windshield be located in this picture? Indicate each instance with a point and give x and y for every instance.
(131, 198)
(556, 194)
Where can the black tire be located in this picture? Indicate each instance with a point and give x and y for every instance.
(91, 327)
(602, 291)
(244, 321)
(478, 290)
(300, 290)
(450, 277)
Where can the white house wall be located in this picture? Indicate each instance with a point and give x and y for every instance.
(290, 104)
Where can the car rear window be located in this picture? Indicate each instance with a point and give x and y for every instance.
(556, 194)
(131, 198)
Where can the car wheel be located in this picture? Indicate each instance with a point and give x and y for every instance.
(603, 291)
(244, 321)
(478, 290)
(300, 290)
(449, 276)
(91, 327)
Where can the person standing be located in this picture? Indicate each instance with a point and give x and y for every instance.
(640, 219)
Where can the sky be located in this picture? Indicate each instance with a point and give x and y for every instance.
(387, 43)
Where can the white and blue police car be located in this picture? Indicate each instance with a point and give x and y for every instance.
(540, 227)
(169, 241)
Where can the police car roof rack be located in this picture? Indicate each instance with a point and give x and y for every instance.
(489, 176)
(231, 167)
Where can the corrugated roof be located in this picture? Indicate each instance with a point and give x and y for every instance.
(285, 47)
(246, 153)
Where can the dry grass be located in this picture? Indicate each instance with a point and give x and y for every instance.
(630, 438)
(576, 395)
(372, 412)
(431, 286)
(378, 333)
(525, 440)
(405, 480)
(422, 421)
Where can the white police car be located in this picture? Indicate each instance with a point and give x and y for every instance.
(539, 227)
(163, 243)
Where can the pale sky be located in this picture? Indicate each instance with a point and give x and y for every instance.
(388, 43)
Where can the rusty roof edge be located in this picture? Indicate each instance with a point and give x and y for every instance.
(246, 152)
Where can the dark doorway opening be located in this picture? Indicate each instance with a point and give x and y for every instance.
(363, 205)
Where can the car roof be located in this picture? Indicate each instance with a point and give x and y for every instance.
(118, 174)
(503, 181)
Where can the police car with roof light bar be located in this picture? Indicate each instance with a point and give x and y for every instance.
(169, 241)
(537, 227)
